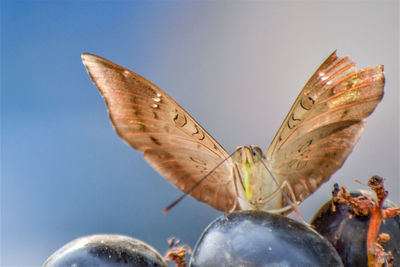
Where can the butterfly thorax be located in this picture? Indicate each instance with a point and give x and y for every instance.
(255, 186)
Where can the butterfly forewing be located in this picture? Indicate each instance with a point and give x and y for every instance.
(324, 124)
(170, 139)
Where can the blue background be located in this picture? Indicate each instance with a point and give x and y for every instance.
(235, 66)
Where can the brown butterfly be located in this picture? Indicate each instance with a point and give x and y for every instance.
(317, 135)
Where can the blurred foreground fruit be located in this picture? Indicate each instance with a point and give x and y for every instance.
(105, 250)
(255, 238)
(348, 232)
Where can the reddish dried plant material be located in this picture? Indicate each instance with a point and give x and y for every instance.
(391, 212)
(363, 206)
(177, 253)
(383, 238)
(376, 253)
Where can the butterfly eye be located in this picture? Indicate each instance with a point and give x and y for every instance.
(256, 151)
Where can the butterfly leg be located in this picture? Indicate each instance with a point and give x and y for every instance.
(235, 204)
(291, 199)
(281, 210)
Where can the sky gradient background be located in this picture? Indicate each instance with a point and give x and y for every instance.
(236, 67)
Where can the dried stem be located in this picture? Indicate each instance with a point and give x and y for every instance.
(375, 252)
(363, 206)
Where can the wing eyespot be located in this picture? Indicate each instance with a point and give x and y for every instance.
(307, 102)
(198, 134)
(180, 119)
(293, 122)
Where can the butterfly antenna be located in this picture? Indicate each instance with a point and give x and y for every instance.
(173, 204)
(293, 205)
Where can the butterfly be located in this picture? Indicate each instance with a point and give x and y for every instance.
(319, 132)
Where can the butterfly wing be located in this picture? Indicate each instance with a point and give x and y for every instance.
(170, 139)
(324, 124)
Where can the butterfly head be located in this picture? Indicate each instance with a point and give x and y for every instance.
(253, 181)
